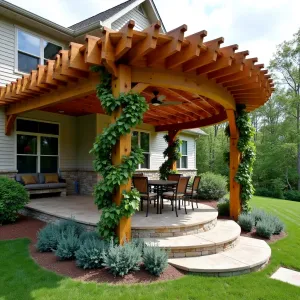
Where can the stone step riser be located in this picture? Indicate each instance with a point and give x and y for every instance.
(201, 251)
(172, 231)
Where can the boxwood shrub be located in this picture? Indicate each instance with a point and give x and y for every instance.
(224, 207)
(212, 186)
(13, 197)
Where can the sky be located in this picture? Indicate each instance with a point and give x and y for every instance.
(255, 25)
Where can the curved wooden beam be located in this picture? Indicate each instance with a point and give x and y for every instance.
(186, 82)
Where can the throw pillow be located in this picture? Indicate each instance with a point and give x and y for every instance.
(51, 178)
(28, 179)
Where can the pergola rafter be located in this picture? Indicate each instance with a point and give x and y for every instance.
(206, 80)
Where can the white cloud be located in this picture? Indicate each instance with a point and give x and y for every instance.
(256, 25)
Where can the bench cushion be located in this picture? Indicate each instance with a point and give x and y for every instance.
(45, 186)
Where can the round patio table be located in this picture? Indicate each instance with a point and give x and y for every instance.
(159, 184)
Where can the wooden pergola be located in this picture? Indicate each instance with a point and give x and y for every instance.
(208, 80)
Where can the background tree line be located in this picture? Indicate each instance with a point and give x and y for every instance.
(277, 131)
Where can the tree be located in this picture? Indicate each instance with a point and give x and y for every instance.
(286, 65)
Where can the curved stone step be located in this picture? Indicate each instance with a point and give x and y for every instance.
(201, 219)
(222, 237)
(248, 255)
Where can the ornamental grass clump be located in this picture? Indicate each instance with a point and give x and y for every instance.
(48, 237)
(90, 254)
(265, 228)
(223, 207)
(155, 260)
(13, 197)
(246, 222)
(120, 260)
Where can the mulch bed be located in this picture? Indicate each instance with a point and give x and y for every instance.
(27, 227)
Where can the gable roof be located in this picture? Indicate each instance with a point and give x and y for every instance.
(195, 131)
(102, 16)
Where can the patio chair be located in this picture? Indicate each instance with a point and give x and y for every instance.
(141, 184)
(179, 193)
(193, 190)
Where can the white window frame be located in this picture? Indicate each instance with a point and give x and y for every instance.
(185, 155)
(38, 135)
(42, 40)
(139, 144)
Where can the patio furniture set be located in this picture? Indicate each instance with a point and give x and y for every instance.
(175, 189)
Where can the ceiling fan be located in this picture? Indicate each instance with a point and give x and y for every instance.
(159, 100)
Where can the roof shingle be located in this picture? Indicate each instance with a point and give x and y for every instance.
(102, 16)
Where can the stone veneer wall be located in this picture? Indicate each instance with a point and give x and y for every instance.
(86, 178)
(10, 174)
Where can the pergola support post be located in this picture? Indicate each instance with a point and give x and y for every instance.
(235, 156)
(172, 136)
(121, 84)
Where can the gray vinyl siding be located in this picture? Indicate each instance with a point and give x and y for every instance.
(141, 21)
(7, 146)
(7, 53)
(86, 133)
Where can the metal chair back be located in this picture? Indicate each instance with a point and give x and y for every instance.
(182, 184)
(141, 184)
(196, 183)
(174, 177)
(138, 175)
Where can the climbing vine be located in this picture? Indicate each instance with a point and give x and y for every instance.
(248, 153)
(172, 153)
(133, 107)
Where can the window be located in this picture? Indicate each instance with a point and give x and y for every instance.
(37, 146)
(142, 140)
(33, 50)
(182, 163)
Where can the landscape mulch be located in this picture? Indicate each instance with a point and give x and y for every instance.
(27, 227)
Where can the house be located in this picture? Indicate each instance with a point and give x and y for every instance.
(60, 137)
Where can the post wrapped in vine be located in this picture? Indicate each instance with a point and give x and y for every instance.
(172, 153)
(133, 107)
(247, 149)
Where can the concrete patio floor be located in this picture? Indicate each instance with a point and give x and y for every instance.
(83, 209)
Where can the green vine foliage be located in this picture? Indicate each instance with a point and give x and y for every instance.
(133, 107)
(172, 153)
(248, 154)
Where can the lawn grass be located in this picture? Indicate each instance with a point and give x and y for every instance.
(22, 279)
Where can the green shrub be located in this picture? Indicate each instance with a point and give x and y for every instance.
(88, 235)
(120, 260)
(155, 260)
(269, 192)
(246, 222)
(258, 215)
(47, 238)
(224, 207)
(13, 197)
(265, 228)
(68, 244)
(292, 195)
(90, 254)
(212, 186)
